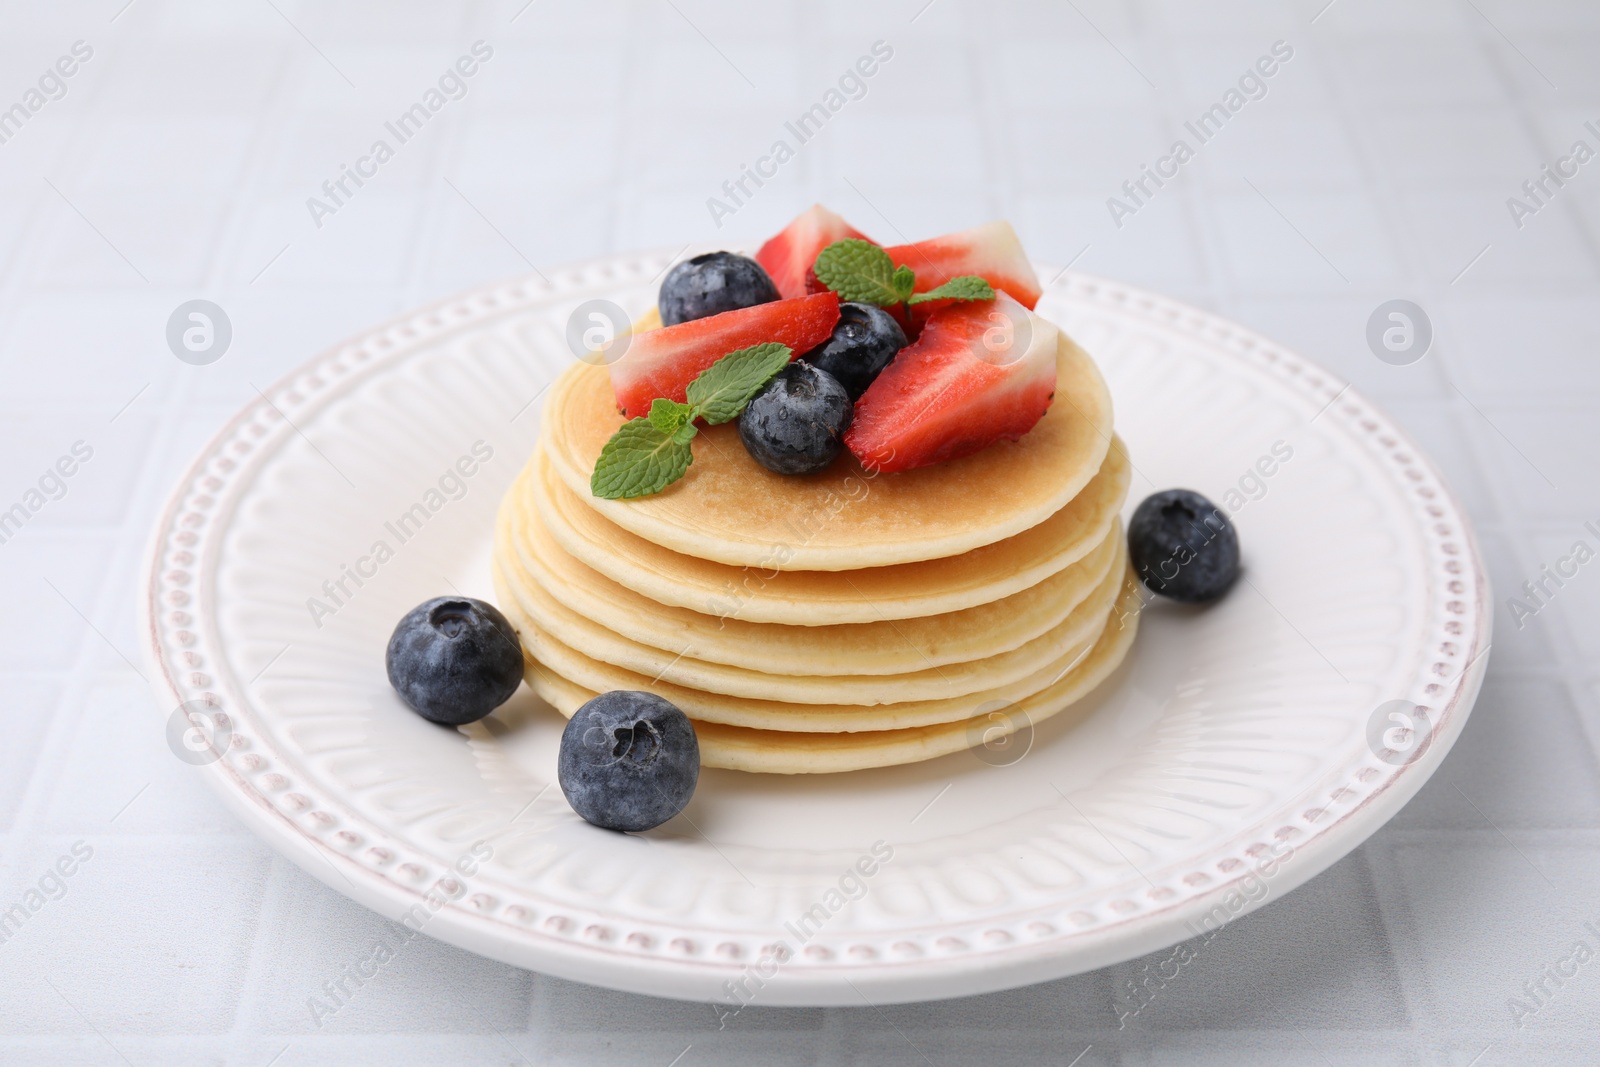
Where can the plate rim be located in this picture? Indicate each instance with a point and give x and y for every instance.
(578, 955)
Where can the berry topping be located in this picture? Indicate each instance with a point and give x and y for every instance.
(788, 256)
(863, 343)
(863, 272)
(650, 452)
(992, 252)
(629, 760)
(711, 284)
(979, 372)
(1183, 546)
(662, 363)
(453, 660)
(796, 425)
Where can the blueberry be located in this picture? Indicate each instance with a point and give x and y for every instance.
(628, 761)
(711, 284)
(796, 424)
(1183, 546)
(863, 343)
(453, 660)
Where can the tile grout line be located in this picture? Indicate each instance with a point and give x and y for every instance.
(1570, 663)
(46, 771)
(837, 1028)
(1382, 194)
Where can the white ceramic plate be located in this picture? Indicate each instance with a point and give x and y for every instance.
(1239, 752)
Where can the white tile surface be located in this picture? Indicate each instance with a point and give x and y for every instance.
(191, 142)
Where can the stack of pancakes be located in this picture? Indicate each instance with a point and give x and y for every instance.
(832, 622)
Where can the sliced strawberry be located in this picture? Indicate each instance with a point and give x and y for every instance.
(788, 256)
(992, 252)
(664, 361)
(982, 371)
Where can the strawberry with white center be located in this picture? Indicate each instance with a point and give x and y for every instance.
(991, 251)
(788, 256)
(662, 362)
(981, 371)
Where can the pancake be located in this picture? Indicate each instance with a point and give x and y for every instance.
(820, 598)
(785, 717)
(592, 655)
(884, 647)
(779, 716)
(784, 752)
(729, 509)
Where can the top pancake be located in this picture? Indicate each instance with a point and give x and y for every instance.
(821, 598)
(729, 509)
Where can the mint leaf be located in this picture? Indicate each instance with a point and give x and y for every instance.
(649, 453)
(720, 392)
(642, 458)
(669, 416)
(860, 271)
(964, 287)
(904, 282)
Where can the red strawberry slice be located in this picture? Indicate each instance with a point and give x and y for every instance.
(788, 256)
(992, 252)
(982, 371)
(663, 362)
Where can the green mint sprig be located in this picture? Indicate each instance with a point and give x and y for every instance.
(649, 453)
(862, 272)
(720, 392)
(961, 287)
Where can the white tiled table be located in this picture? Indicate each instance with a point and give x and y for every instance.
(1378, 165)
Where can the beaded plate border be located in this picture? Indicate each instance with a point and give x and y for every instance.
(182, 644)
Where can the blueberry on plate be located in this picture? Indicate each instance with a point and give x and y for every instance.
(796, 424)
(454, 659)
(1183, 546)
(864, 341)
(711, 284)
(629, 760)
